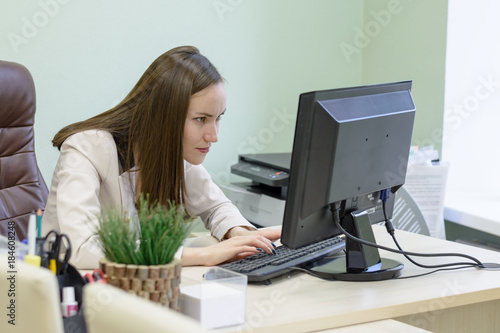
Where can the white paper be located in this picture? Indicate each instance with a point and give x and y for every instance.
(426, 184)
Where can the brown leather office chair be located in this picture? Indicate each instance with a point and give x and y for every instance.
(22, 188)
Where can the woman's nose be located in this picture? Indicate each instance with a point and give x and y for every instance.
(211, 133)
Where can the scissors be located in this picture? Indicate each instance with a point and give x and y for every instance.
(96, 276)
(56, 245)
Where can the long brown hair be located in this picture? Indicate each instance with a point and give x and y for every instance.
(150, 121)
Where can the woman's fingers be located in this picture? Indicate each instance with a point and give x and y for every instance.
(258, 241)
(239, 247)
(272, 234)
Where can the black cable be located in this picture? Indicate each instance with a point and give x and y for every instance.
(300, 269)
(335, 212)
(390, 229)
(432, 272)
(305, 270)
(432, 266)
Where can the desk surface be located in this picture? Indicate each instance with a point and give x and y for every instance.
(302, 303)
(474, 210)
(382, 326)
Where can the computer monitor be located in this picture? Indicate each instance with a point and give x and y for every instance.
(350, 144)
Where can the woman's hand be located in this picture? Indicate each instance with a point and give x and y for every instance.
(271, 234)
(242, 243)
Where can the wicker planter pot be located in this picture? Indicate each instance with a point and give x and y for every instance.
(159, 284)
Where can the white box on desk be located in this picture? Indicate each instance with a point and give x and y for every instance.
(218, 301)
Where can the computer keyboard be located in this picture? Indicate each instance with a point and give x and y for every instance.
(263, 266)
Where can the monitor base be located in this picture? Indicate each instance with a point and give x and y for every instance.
(336, 269)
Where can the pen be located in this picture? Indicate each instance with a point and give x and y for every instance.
(39, 222)
(31, 257)
(53, 265)
(53, 254)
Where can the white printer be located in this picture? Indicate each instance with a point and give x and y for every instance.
(262, 199)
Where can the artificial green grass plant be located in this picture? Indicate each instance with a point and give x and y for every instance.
(161, 231)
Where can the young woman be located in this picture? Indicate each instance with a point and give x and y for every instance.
(152, 142)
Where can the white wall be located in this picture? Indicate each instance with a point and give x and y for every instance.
(86, 55)
(472, 96)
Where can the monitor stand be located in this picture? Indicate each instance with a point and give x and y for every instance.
(361, 262)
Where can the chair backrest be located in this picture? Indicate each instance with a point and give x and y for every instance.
(109, 309)
(34, 293)
(22, 188)
(407, 216)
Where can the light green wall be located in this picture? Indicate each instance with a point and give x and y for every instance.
(86, 55)
(410, 44)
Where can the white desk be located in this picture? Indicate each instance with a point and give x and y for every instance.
(474, 210)
(382, 326)
(451, 301)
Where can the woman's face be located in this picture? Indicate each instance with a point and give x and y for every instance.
(202, 122)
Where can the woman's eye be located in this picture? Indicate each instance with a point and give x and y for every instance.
(218, 118)
(201, 119)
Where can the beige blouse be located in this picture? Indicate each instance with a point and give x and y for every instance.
(87, 179)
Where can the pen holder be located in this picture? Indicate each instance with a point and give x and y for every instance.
(158, 283)
(70, 277)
